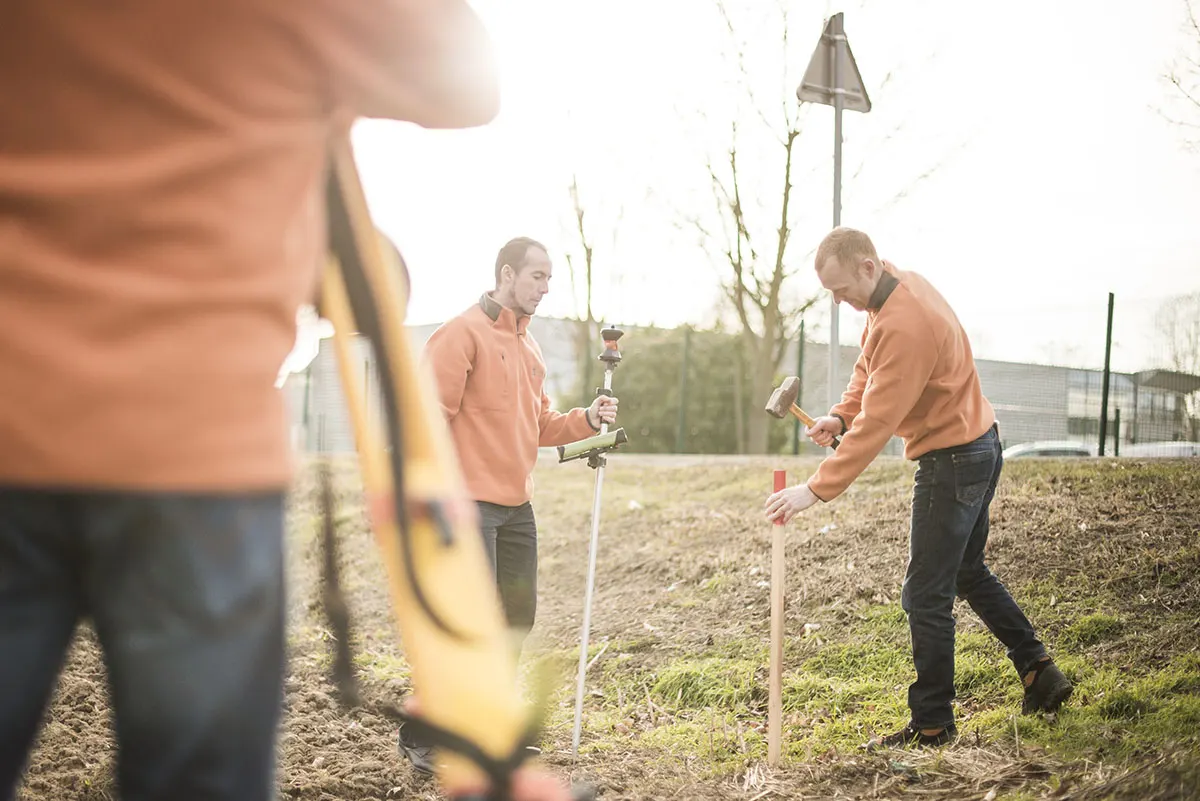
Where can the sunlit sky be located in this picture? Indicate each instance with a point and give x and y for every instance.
(1055, 177)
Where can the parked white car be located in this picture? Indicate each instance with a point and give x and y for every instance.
(1050, 449)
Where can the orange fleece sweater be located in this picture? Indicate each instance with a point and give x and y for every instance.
(162, 178)
(490, 376)
(915, 377)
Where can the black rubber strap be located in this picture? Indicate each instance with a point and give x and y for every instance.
(499, 771)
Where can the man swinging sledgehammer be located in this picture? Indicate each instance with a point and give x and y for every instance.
(916, 378)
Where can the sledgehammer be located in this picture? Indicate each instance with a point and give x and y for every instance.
(783, 400)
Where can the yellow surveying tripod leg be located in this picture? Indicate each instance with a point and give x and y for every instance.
(442, 587)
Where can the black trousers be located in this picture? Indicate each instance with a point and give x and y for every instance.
(510, 535)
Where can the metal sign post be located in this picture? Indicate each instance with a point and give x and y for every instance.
(832, 79)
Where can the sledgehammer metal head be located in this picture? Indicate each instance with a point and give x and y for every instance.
(783, 400)
(784, 397)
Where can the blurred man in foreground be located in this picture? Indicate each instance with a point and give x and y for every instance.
(161, 219)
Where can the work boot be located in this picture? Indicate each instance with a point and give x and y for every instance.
(419, 755)
(1048, 690)
(911, 735)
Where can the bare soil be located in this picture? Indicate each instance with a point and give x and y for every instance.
(683, 557)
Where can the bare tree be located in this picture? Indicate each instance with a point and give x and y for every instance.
(737, 235)
(752, 183)
(581, 266)
(1178, 323)
(1185, 77)
(755, 286)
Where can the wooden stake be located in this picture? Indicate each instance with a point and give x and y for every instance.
(775, 696)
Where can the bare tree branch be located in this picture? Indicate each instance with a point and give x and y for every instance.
(784, 231)
(583, 278)
(755, 216)
(1184, 78)
(740, 59)
(585, 244)
(924, 176)
(789, 322)
(1178, 323)
(1183, 90)
(788, 105)
(571, 273)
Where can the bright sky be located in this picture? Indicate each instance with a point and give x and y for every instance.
(1057, 179)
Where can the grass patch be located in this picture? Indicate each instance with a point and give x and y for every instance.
(717, 583)
(849, 660)
(382, 665)
(713, 682)
(1092, 629)
(722, 740)
(1113, 713)
(882, 620)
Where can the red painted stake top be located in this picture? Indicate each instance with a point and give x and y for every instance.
(780, 483)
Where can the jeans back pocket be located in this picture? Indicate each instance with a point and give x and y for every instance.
(973, 475)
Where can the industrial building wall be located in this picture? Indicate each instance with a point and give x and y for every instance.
(1032, 402)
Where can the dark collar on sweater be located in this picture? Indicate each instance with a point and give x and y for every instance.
(489, 305)
(493, 310)
(883, 290)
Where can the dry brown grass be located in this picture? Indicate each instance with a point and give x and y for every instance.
(681, 582)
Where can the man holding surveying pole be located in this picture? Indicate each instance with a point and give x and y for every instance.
(490, 381)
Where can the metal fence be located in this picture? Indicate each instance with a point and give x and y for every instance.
(1136, 389)
(1129, 384)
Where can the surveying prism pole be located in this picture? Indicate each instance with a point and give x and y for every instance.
(775, 685)
(610, 356)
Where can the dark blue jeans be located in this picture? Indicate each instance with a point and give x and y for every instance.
(186, 596)
(951, 495)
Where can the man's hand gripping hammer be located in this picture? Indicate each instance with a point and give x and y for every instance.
(783, 400)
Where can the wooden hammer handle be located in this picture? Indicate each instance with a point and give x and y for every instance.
(808, 421)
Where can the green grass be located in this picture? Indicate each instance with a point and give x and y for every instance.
(703, 683)
(1113, 713)
(1092, 629)
(845, 691)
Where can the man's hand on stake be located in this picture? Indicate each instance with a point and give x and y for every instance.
(602, 410)
(787, 503)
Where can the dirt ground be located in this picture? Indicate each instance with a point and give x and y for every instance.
(672, 527)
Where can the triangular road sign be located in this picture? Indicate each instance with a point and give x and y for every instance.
(817, 85)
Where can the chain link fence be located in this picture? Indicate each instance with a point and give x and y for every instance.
(1126, 388)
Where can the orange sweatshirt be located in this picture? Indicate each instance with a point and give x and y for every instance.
(161, 217)
(915, 377)
(490, 375)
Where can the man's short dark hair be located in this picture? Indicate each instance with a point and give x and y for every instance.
(513, 254)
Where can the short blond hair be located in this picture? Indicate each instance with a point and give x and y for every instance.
(847, 244)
